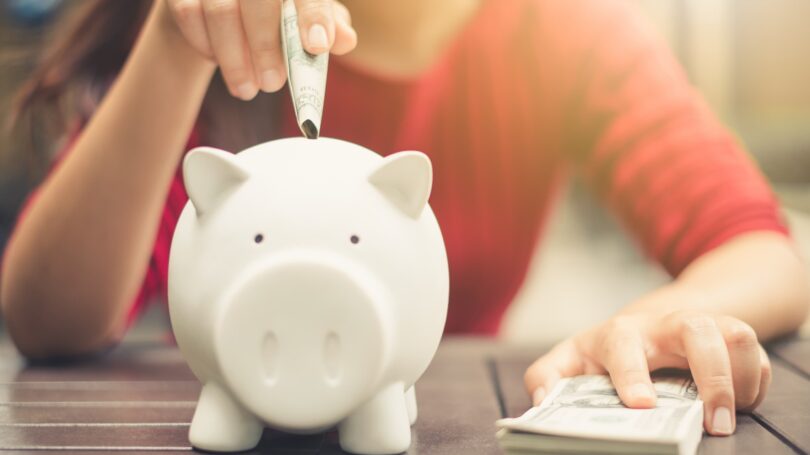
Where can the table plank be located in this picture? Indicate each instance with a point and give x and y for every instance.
(509, 370)
(142, 397)
(140, 391)
(127, 363)
(457, 405)
(50, 414)
(786, 408)
(795, 351)
(98, 438)
(750, 437)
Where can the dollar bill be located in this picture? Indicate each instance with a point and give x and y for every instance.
(306, 74)
(584, 414)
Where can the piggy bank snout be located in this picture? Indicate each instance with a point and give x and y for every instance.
(303, 340)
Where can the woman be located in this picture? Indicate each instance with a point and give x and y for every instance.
(505, 97)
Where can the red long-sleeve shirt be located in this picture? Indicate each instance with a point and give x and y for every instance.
(526, 93)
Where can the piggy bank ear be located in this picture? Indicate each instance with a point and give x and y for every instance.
(210, 175)
(405, 179)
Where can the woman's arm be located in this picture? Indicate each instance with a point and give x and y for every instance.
(77, 258)
(650, 148)
(757, 278)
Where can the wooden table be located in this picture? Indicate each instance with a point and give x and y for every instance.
(141, 397)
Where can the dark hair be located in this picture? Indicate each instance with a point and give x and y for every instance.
(86, 48)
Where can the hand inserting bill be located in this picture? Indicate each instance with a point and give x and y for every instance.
(729, 366)
(242, 37)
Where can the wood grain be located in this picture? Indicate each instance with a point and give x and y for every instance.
(141, 397)
(786, 409)
(795, 352)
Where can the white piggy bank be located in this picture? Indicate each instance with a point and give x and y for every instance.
(308, 287)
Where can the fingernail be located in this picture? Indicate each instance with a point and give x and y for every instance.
(638, 391)
(246, 91)
(317, 37)
(721, 423)
(271, 80)
(538, 396)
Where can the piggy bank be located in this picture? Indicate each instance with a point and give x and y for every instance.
(308, 289)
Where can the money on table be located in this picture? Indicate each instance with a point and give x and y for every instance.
(584, 414)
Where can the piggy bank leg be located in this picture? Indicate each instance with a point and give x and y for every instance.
(380, 426)
(220, 424)
(410, 404)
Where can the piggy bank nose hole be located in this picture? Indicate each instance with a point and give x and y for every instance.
(259, 238)
(270, 357)
(354, 239)
(331, 358)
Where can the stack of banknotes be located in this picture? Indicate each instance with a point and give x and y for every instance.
(583, 414)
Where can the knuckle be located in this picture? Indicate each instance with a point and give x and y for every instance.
(619, 326)
(341, 10)
(316, 11)
(621, 329)
(697, 323)
(618, 342)
(264, 45)
(185, 10)
(222, 8)
(718, 384)
(634, 375)
(674, 318)
(741, 335)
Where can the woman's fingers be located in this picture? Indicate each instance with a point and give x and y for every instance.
(704, 347)
(229, 45)
(316, 23)
(729, 366)
(623, 355)
(261, 19)
(243, 37)
(764, 380)
(188, 14)
(562, 361)
(745, 358)
(345, 36)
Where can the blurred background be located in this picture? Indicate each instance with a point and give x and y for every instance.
(750, 59)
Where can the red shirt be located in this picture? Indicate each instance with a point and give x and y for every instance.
(527, 93)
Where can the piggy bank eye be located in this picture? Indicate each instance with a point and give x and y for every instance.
(259, 238)
(354, 239)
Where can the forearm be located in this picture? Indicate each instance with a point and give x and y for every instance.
(78, 257)
(758, 278)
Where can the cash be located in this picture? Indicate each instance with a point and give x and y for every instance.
(584, 414)
(306, 73)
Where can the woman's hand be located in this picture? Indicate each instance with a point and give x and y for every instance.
(243, 37)
(729, 366)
